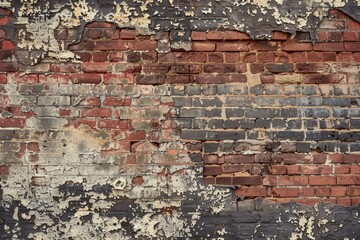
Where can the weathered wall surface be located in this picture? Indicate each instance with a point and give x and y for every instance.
(165, 120)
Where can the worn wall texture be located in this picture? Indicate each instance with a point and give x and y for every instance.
(180, 119)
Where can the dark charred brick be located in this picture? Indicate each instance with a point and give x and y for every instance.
(289, 135)
(280, 67)
(211, 147)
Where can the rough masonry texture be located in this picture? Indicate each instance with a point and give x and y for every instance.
(180, 119)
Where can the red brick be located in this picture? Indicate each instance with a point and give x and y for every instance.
(235, 35)
(348, 180)
(97, 112)
(267, 78)
(213, 159)
(333, 25)
(298, 57)
(116, 56)
(215, 35)
(249, 57)
(203, 46)
(3, 34)
(307, 192)
(86, 78)
(184, 79)
(4, 170)
(83, 46)
(195, 35)
(232, 57)
(115, 101)
(329, 46)
(209, 180)
(329, 57)
(293, 169)
(3, 79)
(65, 67)
(291, 46)
(55, 78)
(216, 57)
(336, 158)
(233, 168)
(320, 79)
(322, 180)
(353, 25)
(139, 180)
(322, 191)
(79, 122)
(33, 146)
(264, 45)
(96, 67)
(99, 56)
(319, 158)
(335, 36)
(142, 45)
(111, 45)
(285, 192)
(282, 36)
(346, 202)
(113, 124)
(251, 191)
(84, 56)
(99, 25)
(350, 36)
(112, 34)
(266, 56)
(352, 46)
(212, 170)
(316, 169)
(247, 180)
(219, 68)
(354, 191)
(322, 36)
(9, 67)
(339, 191)
(94, 33)
(351, 158)
(12, 122)
(4, 21)
(128, 34)
(295, 158)
(314, 56)
(355, 169)
(334, 13)
(281, 57)
(210, 78)
(278, 169)
(7, 45)
(345, 57)
(256, 68)
(342, 169)
(239, 158)
(232, 47)
(270, 181)
(355, 201)
(224, 180)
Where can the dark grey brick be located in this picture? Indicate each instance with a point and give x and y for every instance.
(238, 101)
(193, 90)
(349, 136)
(279, 67)
(262, 123)
(258, 89)
(226, 147)
(234, 112)
(289, 135)
(303, 147)
(340, 102)
(309, 101)
(341, 124)
(208, 89)
(184, 123)
(247, 123)
(207, 102)
(223, 89)
(294, 124)
(231, 124)
(355, 123)
(211, 147)
(193, 134)
(216, 112)
(199, 123)
(259, 113)
(177, 90)
(330, 147)
(278, 123)
(354, 112)
(192, 112)
(316, 113)
(31, 90)
(225, 135)
(323, 124)
(215, 123)
(288, 113)
(270, 101)
(310, 124)
(182, 102)
(7, 134)
(322, 135)
(308, 89)
(259, 135)
(342, 112)
(341, 90)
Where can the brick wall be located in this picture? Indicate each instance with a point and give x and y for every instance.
(132, 126)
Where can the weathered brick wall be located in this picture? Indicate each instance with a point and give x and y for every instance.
(134, 138)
